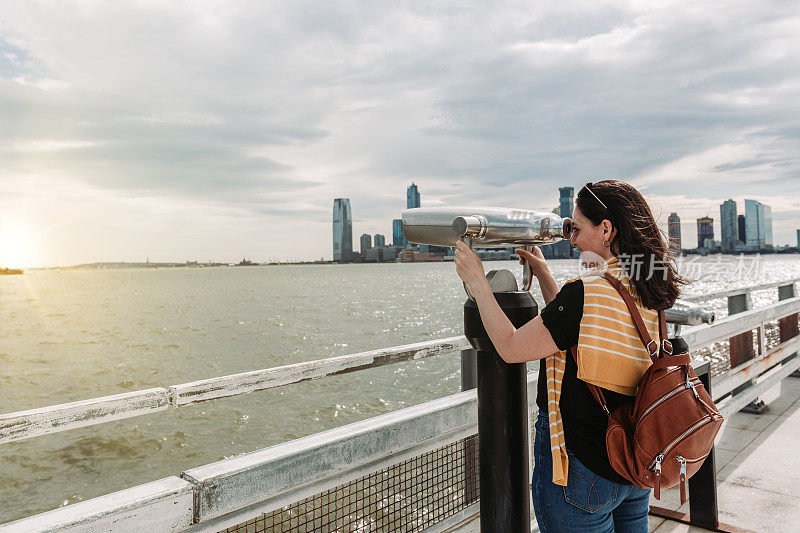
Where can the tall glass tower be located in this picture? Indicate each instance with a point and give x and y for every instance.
(342, 230)
(674, 232)
(412, 197)
(742, 230)
(398, 237)
(705, 232)
(729, 225)
(566, 202)
(758, 223)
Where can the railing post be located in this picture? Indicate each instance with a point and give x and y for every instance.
(703, 510)
(469, 380)
(788, 327)
(741, 348)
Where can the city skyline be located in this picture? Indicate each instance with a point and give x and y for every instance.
(210, 136)
(730, 225)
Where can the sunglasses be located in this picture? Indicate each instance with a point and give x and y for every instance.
(588, 187)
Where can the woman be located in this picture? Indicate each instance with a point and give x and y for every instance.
(574, 486)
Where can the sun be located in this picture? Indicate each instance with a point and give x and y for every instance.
(17, 247)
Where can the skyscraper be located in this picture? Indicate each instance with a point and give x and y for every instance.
(798, 239)
(705, 231)
(342, 230)
(412, 197)
(674, 232)
(566, 202)
(398, 237)
(742, 231)
(380, 240)
(767, 226)
(566, 198)
(728, 225)
(758, 225)
(366, 242)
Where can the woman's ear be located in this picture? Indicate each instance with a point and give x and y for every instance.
(609, 230)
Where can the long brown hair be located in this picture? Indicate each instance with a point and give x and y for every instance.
(639, 243)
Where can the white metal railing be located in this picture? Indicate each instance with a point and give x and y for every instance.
(52, 419)
(221, 494)
(726, 293)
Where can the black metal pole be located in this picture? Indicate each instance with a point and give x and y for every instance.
(703, 510)
(502, 421)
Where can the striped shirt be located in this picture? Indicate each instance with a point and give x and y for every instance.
(609, 354)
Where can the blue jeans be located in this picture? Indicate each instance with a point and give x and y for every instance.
(589, 503)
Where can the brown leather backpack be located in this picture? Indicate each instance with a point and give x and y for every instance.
(662, 438)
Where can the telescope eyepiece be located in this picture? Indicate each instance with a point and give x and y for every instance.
(567, 229)
(474, 226)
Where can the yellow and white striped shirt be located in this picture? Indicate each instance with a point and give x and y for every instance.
(609, 355)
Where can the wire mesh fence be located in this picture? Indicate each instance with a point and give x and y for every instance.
(406, 497)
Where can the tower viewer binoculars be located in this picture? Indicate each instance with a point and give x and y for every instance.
(485, 227)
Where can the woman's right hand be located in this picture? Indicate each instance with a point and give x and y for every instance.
(536, 260)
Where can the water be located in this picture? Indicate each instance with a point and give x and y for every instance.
(78, 334)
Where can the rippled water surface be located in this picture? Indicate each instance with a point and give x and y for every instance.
(77, 334)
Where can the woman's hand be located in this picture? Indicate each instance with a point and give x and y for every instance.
(469, 266)
(536, 260)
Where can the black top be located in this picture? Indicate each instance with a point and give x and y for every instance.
(584, 420)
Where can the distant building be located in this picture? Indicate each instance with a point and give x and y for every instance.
(758, 225)
(412, 197)
(380, 240)
(729, 228)
(798, 240)
(705, 232)
(342, 230)
(366, 242)
(674, 232)
(566, 203)
(413, 255)
(742, 230)
(562, 249)
(398, 237)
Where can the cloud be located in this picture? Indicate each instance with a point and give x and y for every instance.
(269, 111)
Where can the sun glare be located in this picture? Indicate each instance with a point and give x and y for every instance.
(17, 248)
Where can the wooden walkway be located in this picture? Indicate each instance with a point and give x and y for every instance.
(758, 470)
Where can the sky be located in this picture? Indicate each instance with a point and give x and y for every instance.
(219, 130)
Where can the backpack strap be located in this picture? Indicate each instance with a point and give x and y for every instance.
(594, 389)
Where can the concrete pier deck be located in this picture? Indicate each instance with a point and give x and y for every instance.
(758, 470)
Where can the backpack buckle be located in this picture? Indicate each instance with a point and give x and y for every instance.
(653, 351)
(666, 346)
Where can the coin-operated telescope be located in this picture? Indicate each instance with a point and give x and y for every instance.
(502, 387)
(486, 227)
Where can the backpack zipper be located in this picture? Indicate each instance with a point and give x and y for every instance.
(690, 385)
(682, 461)
(655, 466)
(660, 457)
(670, 394)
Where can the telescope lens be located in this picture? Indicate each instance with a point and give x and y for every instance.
(460, 226)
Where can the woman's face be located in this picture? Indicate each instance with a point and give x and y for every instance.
(589, 237)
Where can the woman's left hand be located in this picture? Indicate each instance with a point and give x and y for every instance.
(469, 266)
